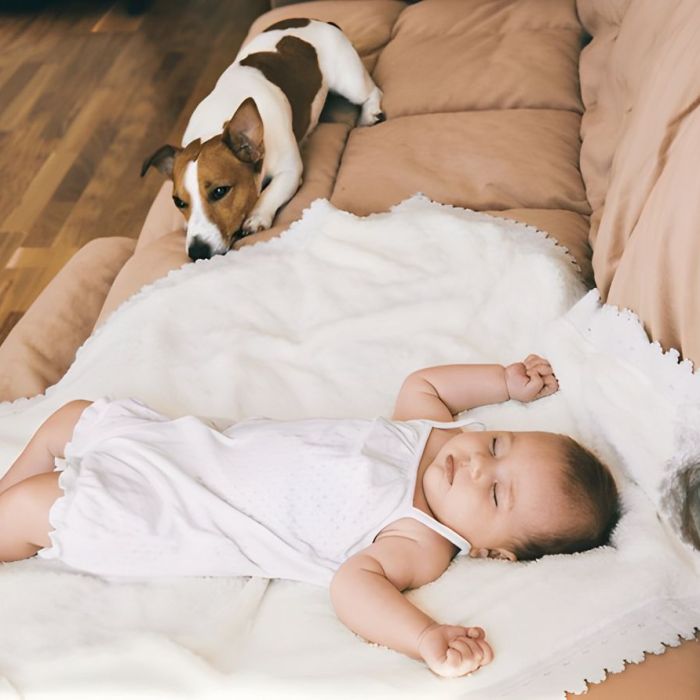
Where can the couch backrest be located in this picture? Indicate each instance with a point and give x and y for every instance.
(640, 84)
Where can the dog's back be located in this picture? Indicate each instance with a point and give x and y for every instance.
(287, 67)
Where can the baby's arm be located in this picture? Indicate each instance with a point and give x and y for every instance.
(366, 594)
(439, 393)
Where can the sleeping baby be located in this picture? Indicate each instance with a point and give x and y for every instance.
(370, 507)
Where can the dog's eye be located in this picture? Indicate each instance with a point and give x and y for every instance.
(179, 203)
(218, 192)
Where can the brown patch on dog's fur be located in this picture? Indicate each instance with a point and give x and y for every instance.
(182, 159)
(294, 23)
(294, 69)
(219, 167)
(291, 23)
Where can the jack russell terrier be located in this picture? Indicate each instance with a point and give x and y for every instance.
(230, 180)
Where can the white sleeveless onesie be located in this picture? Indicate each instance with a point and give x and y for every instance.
(146, 495)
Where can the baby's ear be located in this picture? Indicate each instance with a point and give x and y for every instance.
(484, 553)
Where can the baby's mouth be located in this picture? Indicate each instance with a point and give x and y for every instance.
(450, 469)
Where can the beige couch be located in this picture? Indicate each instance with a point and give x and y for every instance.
(494, 105)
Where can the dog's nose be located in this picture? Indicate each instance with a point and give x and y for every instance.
(198, 250)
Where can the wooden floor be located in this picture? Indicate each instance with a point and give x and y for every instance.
(86, 92)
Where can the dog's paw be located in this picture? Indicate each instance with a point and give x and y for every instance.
(372, 109)
(371, 119)
(257, 221)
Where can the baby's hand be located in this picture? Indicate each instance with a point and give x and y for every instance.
(452, 651)
(531, 379)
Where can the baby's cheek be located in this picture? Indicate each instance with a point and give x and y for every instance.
(430, 482)
(469, 515)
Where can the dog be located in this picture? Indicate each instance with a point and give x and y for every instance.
(229, 181)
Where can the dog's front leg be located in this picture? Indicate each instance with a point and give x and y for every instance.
(279, 190)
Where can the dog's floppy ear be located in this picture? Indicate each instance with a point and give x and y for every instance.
(162, 159)
(243, 133)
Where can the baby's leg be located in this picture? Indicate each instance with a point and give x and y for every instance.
(46, 444)
(24, 516)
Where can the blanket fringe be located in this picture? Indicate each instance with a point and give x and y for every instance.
(621, 333)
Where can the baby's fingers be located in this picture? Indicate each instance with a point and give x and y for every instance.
(462, 656)
(474, 632)
(473, 654)
(550, 386)
(535, 383)
(487, 657)
(532, 360)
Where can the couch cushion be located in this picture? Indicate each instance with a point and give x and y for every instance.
(641, 131)
(496, 159)
(452, 55)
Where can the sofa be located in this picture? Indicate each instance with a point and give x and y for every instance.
(576, 117)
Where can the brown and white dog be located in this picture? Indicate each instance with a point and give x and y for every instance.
(230, 180)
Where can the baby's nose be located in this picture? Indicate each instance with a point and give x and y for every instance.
(477, 465)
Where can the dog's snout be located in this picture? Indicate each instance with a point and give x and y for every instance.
(198, 250)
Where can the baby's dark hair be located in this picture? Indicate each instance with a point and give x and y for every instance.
(591, 489)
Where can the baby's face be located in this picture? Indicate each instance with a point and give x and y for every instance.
(497, 488)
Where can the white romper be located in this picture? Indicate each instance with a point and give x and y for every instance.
(146, 495)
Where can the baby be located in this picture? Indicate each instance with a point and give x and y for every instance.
(372, 508)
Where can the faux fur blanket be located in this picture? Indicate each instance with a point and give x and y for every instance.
(326, 321)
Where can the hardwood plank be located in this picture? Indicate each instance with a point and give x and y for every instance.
(26, 207)
(9, 242)
(17, 111)
(71, 187)
(14, 86)
(20, 159)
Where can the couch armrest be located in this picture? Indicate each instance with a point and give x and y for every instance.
(41, 347)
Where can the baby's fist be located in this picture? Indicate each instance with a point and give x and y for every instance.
(531, 379)
(452, 651)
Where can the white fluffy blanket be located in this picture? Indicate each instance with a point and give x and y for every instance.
(326, 321)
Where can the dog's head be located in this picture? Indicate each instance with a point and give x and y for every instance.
(216, 183)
